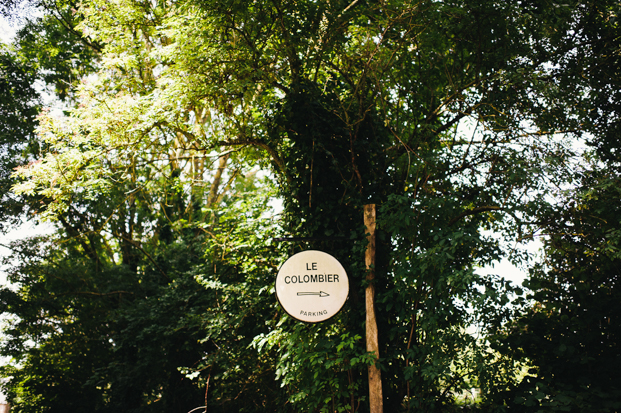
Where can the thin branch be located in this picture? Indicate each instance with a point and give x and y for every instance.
(271, 151)
(474, 211)
(136, 245)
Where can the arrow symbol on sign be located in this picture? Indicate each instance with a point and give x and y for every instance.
(319, 293)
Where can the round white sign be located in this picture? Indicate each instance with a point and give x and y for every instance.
(312, 286)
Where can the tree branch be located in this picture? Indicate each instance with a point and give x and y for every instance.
(474, 211)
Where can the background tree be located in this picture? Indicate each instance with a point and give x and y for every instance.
(373, 95)
(349, 103)
(49, 52)
(569, 336)
(49, 40)
(18, 108)
(111, 312)
(112, 333)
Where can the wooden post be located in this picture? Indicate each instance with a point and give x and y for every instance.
(376, 401)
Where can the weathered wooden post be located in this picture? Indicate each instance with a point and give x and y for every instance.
(376, 401)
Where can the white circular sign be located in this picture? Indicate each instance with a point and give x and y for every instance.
(312, 286)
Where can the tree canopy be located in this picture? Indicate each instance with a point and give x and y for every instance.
(185, 121)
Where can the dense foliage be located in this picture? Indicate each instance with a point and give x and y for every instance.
(17, 137)
(184, 120)
(570, 336)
